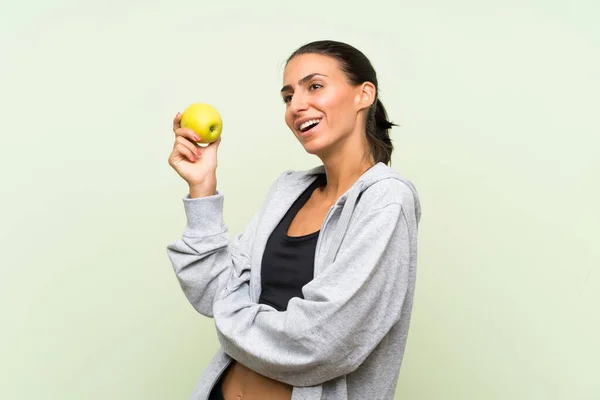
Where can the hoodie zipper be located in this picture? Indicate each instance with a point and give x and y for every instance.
(218, 378)
(320, 237)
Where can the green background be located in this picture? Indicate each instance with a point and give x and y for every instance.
(498, 105)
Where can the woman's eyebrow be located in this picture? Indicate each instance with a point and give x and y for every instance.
(303, 80)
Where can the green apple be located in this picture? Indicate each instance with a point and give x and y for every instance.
(203, 119)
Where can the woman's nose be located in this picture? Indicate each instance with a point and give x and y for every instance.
(298, 103)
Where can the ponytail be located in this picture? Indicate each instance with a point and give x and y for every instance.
(378, 135)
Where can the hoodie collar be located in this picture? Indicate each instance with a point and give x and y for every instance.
(376, 173)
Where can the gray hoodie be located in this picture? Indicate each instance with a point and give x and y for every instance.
(345, 339)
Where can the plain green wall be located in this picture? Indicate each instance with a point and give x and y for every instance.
(498, 105)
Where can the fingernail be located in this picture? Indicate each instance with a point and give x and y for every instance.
(198, 152)
(197, 138)
(178, 114)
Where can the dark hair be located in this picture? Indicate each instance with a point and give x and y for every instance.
(358, 69)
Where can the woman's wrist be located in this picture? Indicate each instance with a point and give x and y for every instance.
(203, 189)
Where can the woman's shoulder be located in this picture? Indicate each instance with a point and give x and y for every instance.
(292, 174)
(293, 177)
(383, 186)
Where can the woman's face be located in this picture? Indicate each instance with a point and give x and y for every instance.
(322, 107)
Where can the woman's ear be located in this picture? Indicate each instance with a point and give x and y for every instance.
(366, 95)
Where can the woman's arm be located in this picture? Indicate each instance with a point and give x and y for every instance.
(204, 259)
(346, 310)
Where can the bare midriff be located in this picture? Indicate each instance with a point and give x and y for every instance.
(241, 382)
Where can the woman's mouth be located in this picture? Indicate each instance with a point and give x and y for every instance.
(308, 127)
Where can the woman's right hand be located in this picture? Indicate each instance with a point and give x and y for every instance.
(196, 165)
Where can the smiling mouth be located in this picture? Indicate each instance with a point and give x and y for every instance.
(308, 125)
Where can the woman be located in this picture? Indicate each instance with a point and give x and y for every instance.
(313, 299)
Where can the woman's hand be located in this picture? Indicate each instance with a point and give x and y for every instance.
(196, 165)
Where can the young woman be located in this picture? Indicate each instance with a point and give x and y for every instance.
(313, 300)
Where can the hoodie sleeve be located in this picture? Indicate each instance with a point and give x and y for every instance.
(204, 258)
(345, 313)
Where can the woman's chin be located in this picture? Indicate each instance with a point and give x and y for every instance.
(313, 144)
(313, 147)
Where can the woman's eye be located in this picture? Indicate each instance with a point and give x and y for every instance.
(315, 86)
(287, 99)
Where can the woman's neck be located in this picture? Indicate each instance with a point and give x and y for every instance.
(342, 172)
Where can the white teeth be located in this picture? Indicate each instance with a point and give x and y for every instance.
(308, 123)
